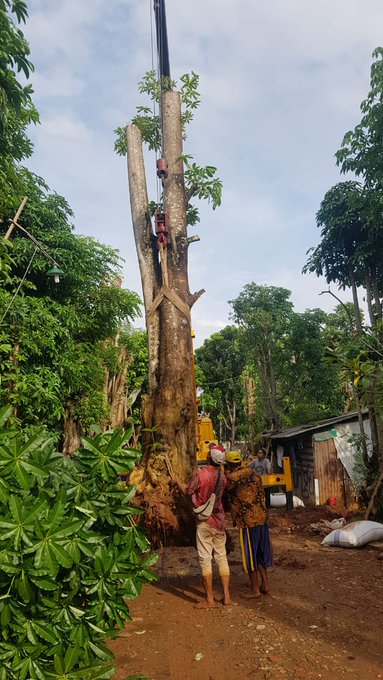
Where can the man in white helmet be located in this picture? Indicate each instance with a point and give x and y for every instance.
(211, 534)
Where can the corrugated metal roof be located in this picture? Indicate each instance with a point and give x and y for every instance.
(311, 427)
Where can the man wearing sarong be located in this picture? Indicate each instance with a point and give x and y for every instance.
(246, 497)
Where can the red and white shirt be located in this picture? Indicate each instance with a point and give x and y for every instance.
(201, 487)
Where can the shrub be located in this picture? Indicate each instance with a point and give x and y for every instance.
(70, 554)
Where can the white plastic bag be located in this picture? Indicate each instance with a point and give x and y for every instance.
(355, 535)
(298, 503)
(278, 500)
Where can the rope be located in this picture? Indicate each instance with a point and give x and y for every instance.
(164, 264)
(19, 286)
(168, 293)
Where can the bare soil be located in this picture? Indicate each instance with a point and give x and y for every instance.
(322, 619)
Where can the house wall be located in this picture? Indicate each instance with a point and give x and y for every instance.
(329, 471)
(331, 462)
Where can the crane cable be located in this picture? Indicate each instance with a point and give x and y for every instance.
(156, 70)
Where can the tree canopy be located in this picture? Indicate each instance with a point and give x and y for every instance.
(58, 343)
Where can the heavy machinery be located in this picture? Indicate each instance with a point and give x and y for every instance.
(205, 437)
(283, 481)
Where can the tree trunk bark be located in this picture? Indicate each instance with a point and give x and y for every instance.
(143, 236)
(362, 431)
(233, 424)
(72, 432)
(116, 393)
(169, 406)
(358, 316)
(376, 294)
(249, 388)
(370, 304)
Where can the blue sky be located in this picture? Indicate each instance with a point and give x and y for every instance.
(281, 83)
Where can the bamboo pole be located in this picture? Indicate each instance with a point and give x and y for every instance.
(16, 218)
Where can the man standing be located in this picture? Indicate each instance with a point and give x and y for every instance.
(211, 534)
(248, 510)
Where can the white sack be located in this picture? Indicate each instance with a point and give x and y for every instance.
(278, 500)
(355, 535)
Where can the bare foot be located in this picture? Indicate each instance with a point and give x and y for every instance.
(206, 605)
(264, 589)
(250, 596)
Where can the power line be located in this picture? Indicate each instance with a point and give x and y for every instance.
(19, 286)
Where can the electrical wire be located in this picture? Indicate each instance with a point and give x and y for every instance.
(218, 382)
(19, 286)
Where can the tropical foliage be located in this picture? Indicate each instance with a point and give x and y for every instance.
(70, 553)
(58, 343)
(350, 255)
(271, 369)
(200, 181)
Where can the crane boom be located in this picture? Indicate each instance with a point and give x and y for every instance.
(162, 42)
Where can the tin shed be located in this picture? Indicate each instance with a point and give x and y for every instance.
(322, 457)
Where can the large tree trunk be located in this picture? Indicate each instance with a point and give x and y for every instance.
(115, 391)
(169, 406)
(370, 302)
(249, 389)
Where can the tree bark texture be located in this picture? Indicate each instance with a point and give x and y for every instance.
(170, 403)
(355, 299)
(72, 432)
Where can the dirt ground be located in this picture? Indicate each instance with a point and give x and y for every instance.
(322, 619)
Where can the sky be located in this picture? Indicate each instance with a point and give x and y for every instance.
(281, 82)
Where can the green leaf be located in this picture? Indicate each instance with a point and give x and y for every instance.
(78, 613)
(59, 664)
(61, 555)
(43, 582)
(5, 615)
(141, 539)
(22, 477)
(56, 514)
(101, 651)
(24, 587)
(71, 657)
(5, 414)
(67, 529)
(44, 632)
(36, 469)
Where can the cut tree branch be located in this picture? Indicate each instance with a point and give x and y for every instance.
(195, 296)
(193, 239)
(329, 292)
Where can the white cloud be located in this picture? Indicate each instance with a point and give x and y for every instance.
(281, 84)
(65, 127)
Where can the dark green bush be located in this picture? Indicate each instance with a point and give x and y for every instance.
(70, 554)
